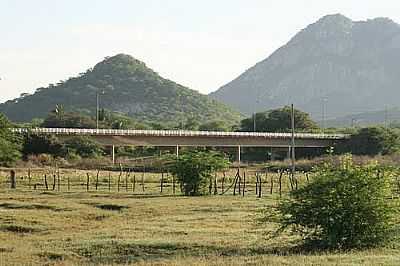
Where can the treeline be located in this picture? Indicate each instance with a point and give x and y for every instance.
(363, 141)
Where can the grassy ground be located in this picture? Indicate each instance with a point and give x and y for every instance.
(80, 228)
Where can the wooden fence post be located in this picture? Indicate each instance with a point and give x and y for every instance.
(272, 184)
(119, 177)
(54, 182)
(97, 179)
(144, 171)
(45, 182)
(87, 181)
(58, 180)
(223, 182)
(69, 184)
(162, 181)
(13, 179)
(244, 183)
(216, 184)
(29, 178)
(280, 183)
(109, 181)
(128, 174)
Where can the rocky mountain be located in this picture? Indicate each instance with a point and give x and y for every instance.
(124, 85)
(336, 64)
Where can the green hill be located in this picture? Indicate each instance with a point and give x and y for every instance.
(127, 86)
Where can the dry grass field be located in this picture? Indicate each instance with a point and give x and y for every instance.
(39, 227)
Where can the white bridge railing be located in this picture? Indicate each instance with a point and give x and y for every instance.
(174, 133)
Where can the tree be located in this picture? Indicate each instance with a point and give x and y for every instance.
(342, 207)
(35, 144)
(371, 141)
(191, 124)
(83, 146)
(214, 126)
(9, 143)
(279, 120)
(194, 170)
(63, 119)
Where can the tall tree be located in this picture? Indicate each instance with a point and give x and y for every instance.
(278, 120)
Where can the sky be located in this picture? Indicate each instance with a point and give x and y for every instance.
(200, 44)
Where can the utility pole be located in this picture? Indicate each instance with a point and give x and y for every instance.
(97, 110)
(293, 155)
(324, 100)
(386, 116)
(254, 122)
(98, 107)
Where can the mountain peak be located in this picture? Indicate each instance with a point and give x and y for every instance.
(353, 64)
(334, 18)
(128, 87)
(122, 59)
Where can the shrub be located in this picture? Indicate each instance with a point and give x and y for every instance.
(194, 170)
(84, 147)
(371, 141)
(9, 143)
(343, 207)
(35, 144)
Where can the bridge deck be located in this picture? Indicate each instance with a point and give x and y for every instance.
(177, 133)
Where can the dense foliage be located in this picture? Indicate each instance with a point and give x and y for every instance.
(279, 120)
(371, 141)
(9, 143)
(194, 170)
(82, 146)
(345, 207)
(108, 120)
(124, 85)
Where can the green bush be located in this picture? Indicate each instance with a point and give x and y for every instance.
(84, 147)
(194, 170)
(9, 143)
(343, 207)
(371, 141)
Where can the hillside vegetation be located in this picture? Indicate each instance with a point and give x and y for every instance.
(125, 85)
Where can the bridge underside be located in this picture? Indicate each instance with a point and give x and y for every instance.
(206, 141)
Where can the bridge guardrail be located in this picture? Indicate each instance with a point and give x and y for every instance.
(173, 133)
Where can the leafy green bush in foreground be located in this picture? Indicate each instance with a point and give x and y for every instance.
(343, 207)
(194, 169)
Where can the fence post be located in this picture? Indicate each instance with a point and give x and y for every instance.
(58, 180)
(109, 181)
(29, 177)
(13, 179)
(162, 182)
(45, 182)
(216, 184)
(244, 183)
(87, 181)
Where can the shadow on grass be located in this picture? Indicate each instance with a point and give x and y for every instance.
(14, 206)
(125, 252)
(19, 229)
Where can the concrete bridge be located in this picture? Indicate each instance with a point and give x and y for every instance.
(176, 138)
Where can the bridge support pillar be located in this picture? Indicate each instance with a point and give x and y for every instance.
(239, 155)
(113, 154)
(177, 151)
(289, 153)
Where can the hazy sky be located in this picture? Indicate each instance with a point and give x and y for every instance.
(201, 44)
